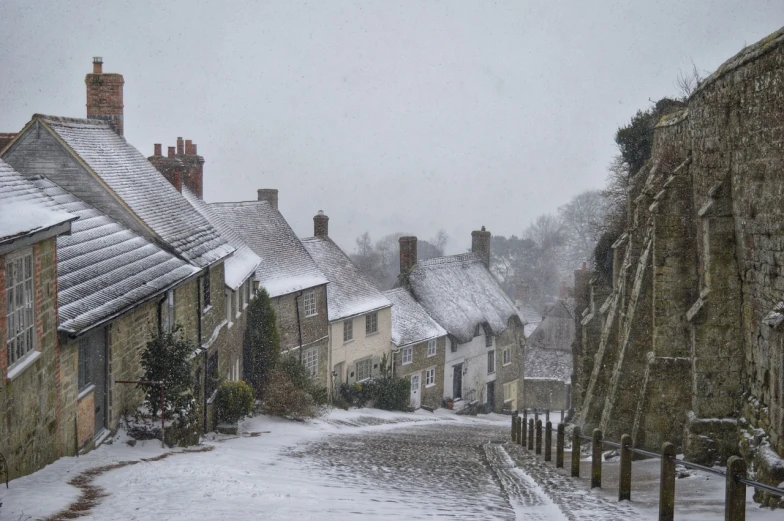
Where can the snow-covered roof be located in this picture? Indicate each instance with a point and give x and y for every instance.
(140, 187)
(460, 293)
(349, 292)
(285, 265)
(104, 268)
(24, 209)
(548, 363)
(531, 318)
(410, 322)
(243, 262)
(560, 309)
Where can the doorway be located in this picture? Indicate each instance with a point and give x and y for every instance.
(491, 395)
(457, 381)
(416, 390)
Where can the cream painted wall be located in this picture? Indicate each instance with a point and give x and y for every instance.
(473, 356)
(363, 346)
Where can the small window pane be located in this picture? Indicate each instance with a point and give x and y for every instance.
(490, 362)
(348, 330)
(431, 348)
(408, 355)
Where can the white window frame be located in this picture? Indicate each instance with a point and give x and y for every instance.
(488, 339)
(506, 356)
(237, 302)
(430, 377)
(348, 330)
(20, 308)
(228, 299)
(168, 317)
(371, 324)
(431, 348)
(361, 363)
(310, 361)
(309, 303)
(407, 355)
(491, 361)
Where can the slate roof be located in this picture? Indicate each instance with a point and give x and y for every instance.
(24, 209)
(460, 293)
(147, 194)
(103, 267)
(243, 262)
(349, 292)
(531, 318)
(548, 363)
(410, 322)
(285, 265)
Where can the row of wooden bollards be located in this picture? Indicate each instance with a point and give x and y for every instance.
(735, 507)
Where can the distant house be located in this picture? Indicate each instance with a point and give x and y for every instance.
(418, 349)
(33, 413)
(484, 360)
(360, 316)
(296, 286)
(548, 359)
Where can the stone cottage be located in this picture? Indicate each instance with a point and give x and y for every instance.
(485, 356)
(548, 359)
(418, 349)
(360, 316)
(32, 416)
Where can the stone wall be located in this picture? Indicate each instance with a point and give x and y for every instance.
(433, 395)
(697, 294)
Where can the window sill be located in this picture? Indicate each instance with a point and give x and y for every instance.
(346, 342)
(427, 386)
(230, 324)
(504, 365)
(20, 366)
(206, 310)
(431, 356)
(238, 315)
(371, 334)
(490, 372)
(406, 363)
(86, 391)
(313, 315)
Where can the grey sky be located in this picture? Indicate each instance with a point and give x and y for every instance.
(389, 116)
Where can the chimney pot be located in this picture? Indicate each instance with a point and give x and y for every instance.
(180, 146)
(321, 224)
(157, 147)
(188, 147)
(171, 151)
(193, 147)
(480, 244)
(408, 254)
(97, 65)
(270, 195)
(585, 265)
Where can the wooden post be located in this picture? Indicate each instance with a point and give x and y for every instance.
(547, 415)
(514, 426)
(531, 434)
(596, 459)
(524, 429)
(576, 452)
(625, 481)
(559, 446)
(667, 483)
(735, 499)
(520, 432)
(548, 441)
(538, 436)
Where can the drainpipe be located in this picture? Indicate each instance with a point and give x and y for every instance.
(199, 285)
(299, 325)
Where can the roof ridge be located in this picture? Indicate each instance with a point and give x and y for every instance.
(239, 203)
(65, 119)
(460, 257)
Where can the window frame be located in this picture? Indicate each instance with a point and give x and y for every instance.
(371, 323)
(488, 339)
(229, 315)
(24, 310)
(432, 348)
(206, 290)
(309, 304)
(506, 356)
(348, 326)
(430, 377)
(408, 353)
(491, 361)
(310, 361)
(369, 362)
(84, 368)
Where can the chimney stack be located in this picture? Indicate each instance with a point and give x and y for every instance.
(189, 147)
(480, 244)
(105, 96)
(180, 146)
(157, 147)
(270, 195)
(182, 166)
(564, 290)
(321, 224)
(171, 152)
(408, 254)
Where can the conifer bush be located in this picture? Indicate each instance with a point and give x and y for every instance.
(261, 343)
(167, 358)
(233, 401)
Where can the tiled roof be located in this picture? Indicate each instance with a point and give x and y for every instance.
(24, 209)
(142, 188)
(548, 363)
(243, 262)
(530, 317)
(103, 267)
(285, 265)
(410, 322)
(460, 293)
(349, 292)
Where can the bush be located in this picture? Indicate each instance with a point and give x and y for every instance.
(386, 392)
(167, 357)
(261, 343)
(284, 398)
(233, 402)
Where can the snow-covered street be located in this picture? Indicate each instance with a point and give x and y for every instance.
(358, 464)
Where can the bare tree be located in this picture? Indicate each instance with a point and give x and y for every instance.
(582, 219)
(687, 82)
(439, 241)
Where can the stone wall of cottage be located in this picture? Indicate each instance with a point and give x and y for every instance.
(547, 393)
(512, 338)
(31, 417)
(432, 396)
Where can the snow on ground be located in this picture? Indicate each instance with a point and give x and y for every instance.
(357, 464)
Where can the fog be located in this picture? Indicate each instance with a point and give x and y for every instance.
(389, 116)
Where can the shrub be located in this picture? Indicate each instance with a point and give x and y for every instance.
(167, 357)
(391, 394)
(261, 343)
(284, 398)
(233, 402)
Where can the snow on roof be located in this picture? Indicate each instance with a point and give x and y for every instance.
(349, 292)
(531, 318)
(142, 188)
(24, 209)
(410, 322)
(285, 265)
(460, 293)
(559, 309)
(548, 363)
(105, 268)
(243, 262)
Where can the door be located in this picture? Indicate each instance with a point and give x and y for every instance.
(92, 372)
(415, 390)
(457, 381)
(491, 395)
(510, 395)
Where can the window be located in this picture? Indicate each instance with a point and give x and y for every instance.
(85, 378)
(408, 355)
(211, 383)
(250, 290)
(166, 317)
(364, 368)
(491, 362)
(348, 330)
(430, 377)
(19, 305)
(229, 315)
(237, 306)
(371, 323)
(206, 287)
(310, 360)
(488, 338)
(507, 355)
(310, 303)
(431, 348)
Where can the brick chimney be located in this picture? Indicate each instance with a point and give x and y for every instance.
(408, 254)
(171, 167)
(320, 224)
(480, 243)
(182, 166)
(270, 195)
(193, 176)
(105, 96)
(564, 291)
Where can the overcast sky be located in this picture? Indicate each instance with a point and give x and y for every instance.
(389, 116)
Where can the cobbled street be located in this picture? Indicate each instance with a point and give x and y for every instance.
(464, 470)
